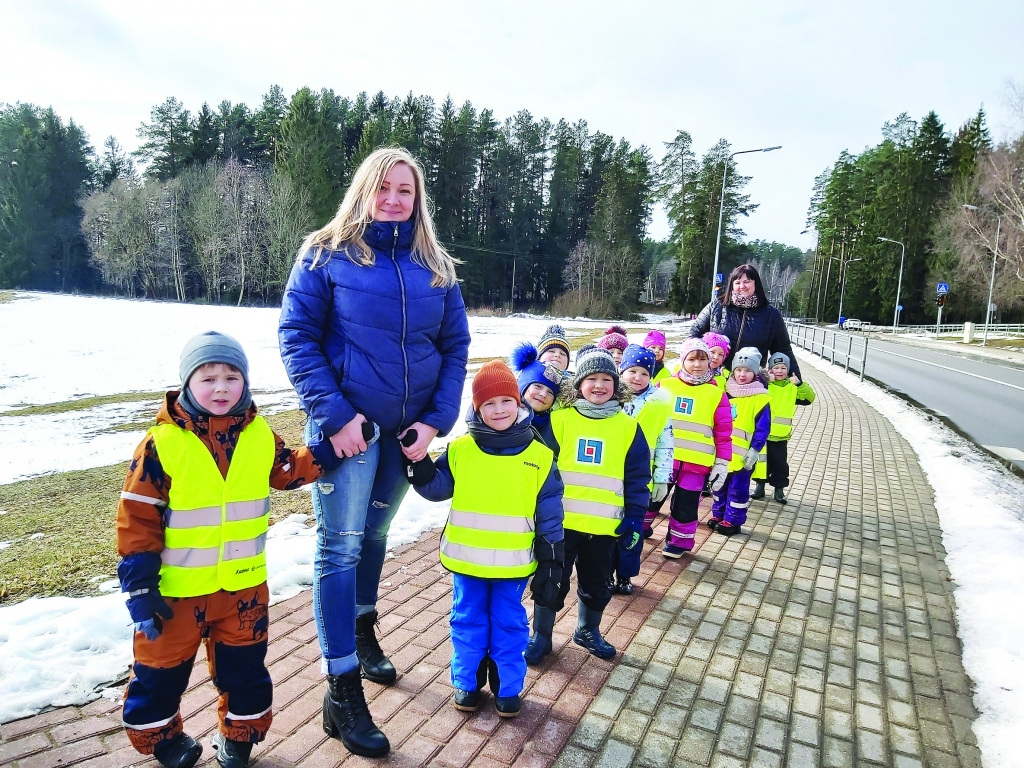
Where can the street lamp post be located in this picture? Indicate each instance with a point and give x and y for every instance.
(899, 283)
(992, 276)
(721, 210)
(845, 268)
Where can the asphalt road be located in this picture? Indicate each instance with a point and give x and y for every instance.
(984, 400)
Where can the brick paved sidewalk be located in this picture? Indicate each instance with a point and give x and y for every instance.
(824, 637)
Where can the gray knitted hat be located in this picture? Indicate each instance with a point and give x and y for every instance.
(778, 357)
(212, 347)
(591, 361)
(748, 357)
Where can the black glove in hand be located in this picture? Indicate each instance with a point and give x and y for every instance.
(417, 472)
(323, 450)
(547, 580)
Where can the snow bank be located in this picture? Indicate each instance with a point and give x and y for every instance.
(981, 511)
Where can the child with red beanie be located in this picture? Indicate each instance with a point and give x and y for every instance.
(505, 524)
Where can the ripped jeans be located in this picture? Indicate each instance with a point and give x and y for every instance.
(354, 506)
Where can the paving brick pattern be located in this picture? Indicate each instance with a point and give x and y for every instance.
(823, 637)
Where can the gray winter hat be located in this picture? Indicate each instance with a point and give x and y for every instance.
(748, 357)
(593, 361)
(554, 336)
(778, 357)
(212, 347)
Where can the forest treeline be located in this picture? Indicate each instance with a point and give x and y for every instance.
(534, 210)
(913, 188)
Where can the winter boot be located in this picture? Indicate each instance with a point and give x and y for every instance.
(727, 529)
(468, 701)
(508, 706)
(374, 664)
(780, 496)
(180, 752)
(231, 754)
(540, 641)
(588, 633)
(347, 717)
(758, 490)
(624, 586)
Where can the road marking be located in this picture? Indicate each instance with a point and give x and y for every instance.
(1010, 454)
(946, 367)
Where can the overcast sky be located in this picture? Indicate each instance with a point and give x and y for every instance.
(815, 77)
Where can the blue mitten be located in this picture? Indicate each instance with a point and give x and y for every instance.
(631, 546)
(146, 607)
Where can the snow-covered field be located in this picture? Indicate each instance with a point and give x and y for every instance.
(58, 651)
(981, 510)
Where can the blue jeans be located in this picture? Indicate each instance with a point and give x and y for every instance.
(354, 506)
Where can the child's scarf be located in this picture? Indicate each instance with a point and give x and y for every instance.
(735, 389)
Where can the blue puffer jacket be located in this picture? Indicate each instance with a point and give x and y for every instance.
(377, 340)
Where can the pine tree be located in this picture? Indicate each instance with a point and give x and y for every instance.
(167, 140)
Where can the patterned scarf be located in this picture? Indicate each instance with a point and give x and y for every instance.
(744, 302)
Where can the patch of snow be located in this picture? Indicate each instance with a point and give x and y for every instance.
(6, 544)
(981, 511)
(37, 535)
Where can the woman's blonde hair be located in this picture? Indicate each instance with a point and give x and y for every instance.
(345, 231)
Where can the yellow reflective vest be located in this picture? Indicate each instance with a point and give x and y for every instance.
(693, 420)
(744, 415)
(721, 378)
(653, 417)
(592, 463)
(216, 527)
(783, 397)
(663, 374)
(490, 528)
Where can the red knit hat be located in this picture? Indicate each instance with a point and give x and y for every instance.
(494, 379)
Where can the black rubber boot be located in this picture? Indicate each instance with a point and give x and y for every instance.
(588, 633)
(508, 706)
(374, 664)
(780, 496)
(231, 754)
(758, 490)
(180, 752)
(540, 641)
(624, 586)
(347, 717)
(467, 701)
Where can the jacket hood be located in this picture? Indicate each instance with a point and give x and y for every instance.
(172, 412)
(380, 235)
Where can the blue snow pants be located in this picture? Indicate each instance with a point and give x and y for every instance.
(488, 620)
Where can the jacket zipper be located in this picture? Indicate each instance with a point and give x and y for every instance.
(405, 355)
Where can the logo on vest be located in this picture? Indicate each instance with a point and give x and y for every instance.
(589, 451)
(531, 464)
(684, 405)
(735, 413)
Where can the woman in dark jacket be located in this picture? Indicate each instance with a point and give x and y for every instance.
(373, 329)
(746, 318)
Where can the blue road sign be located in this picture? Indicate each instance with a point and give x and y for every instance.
(718, 278)
(899, 308)
(942, 289)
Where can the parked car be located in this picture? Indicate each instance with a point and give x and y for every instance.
(853, 325)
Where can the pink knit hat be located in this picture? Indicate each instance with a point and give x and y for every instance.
(693, 344)
(614, 338)
(654, 338)
(713, 339)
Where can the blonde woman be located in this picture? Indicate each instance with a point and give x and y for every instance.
(373, 329)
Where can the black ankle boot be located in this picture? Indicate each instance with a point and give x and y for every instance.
(588, 633)
(374, 664)
(231, 754)
(758, 490)
(347, 717)
(180, 752)
(539, 645)
(780, 496)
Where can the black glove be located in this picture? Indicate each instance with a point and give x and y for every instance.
(417, 472)
(324, 453)
(146, 608)
(631, 546)
(548, 577)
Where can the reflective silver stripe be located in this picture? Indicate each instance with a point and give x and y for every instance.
(762, 458)
(236, 550)
(156, 502)
(193, 518)
(232, 716)
(592, 508)
(507, 558)
(737, 505)
(147, 726)
(498, 523)
(190, 557)
(247, 510)
(782, 420)
(693, 445)
(737, 432)
(600, 482)
(689, 426)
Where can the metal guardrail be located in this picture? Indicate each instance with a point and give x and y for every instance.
(952, 329)
(831, 344)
